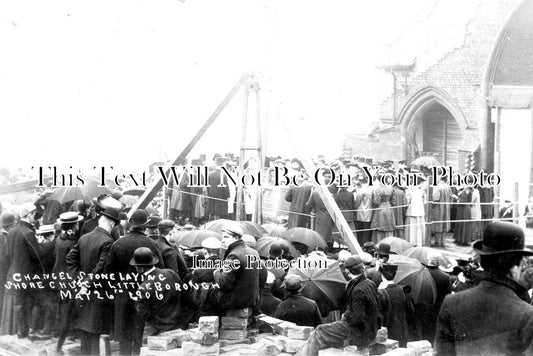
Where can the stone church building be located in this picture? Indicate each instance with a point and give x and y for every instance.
(461, 89)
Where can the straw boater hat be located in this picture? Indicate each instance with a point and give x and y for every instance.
(45, 229)
(69, 217)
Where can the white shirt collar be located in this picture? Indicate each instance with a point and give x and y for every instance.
(384, 283)
(149, 271)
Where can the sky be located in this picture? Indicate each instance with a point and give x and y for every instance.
(126, 83)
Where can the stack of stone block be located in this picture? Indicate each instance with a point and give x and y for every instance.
(231, 337)
(414, 348)
(202, 340)
(234, 326)
(381, 345)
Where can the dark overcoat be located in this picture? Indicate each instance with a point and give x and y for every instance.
(299, 310)
(24, 254)
(91, 224)
(362, 313)
(398, 200)
(50, 209)
(239, 287)
(168, 253)
(298, 197)
(89, 256)
(427, 315)
(440, 211)
(118, 261)
(346, 203)
(4, 264)
(161, 309)
(396, 314)
(489, 319)
(323, 221)
(269, 303)
(218, 205)
(63, 246)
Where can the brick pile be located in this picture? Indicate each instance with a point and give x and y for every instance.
(231, 335)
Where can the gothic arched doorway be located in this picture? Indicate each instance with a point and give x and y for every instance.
(435, 132)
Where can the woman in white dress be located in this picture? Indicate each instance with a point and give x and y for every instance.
(475, 210)
(415, 229)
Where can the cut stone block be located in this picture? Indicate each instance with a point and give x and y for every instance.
(246, 341)
(179, 335)
(279, 340)
(293, 346)
(400, 352)
(232, 334)
(419, 347)
(331, 352)
(299, 332)
(232, 322)
(383, 347)
(253, 332)
(257, 338)
(254, 350)
(272, 349)
(162, 343)
(234, 347)
(190, 348)
(283, 327)
(270, 320)
(21, 346)
(265, 323)
(240, 313)
(145, 351)
(382, 335)
(208, 324)
(202, 338)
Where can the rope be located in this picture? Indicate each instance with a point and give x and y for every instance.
(436, 222)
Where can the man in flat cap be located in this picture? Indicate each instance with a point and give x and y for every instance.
(126, 326)
(360, 322)
(491, 318)
(172, 256)
(239, 286)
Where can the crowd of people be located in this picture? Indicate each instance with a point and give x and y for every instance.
(84, 269)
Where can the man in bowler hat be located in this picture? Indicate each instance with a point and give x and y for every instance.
(128, 325)
(160, 309)
(491, 318)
